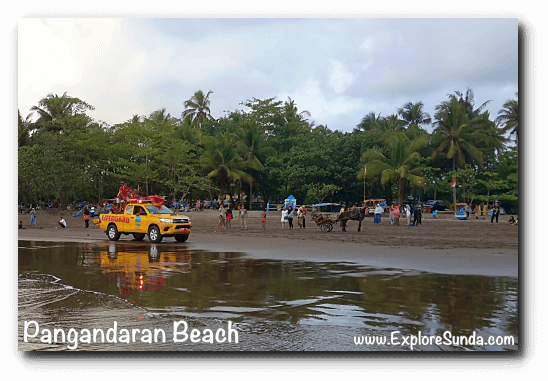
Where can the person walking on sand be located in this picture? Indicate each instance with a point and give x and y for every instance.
(378, 211)
(392, 214)
(222, 217)
(408, 214)
(397, 215)
(32, 217)
(285, 216)
(243, 217)
(263, 219)
(304, 216)
(228, 221)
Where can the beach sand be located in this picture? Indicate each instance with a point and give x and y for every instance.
(442, 244)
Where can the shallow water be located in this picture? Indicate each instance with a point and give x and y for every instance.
(274, 305)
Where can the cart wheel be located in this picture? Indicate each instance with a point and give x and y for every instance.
(330, 227)
(325, 228)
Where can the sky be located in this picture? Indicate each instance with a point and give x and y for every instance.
(339, 69)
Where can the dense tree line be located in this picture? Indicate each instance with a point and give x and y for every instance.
(271, 150)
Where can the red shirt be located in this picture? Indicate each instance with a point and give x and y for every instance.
(124, 191)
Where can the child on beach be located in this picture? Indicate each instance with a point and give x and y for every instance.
(263, 219)
(220, 223)
(62, 222)
(392, 214)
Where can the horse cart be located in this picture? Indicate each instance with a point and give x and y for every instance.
(323, 221)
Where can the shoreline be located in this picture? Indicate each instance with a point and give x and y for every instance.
(435, 247)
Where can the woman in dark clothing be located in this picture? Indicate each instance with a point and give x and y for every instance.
(290, 217)
(496, 213)
(86, 216)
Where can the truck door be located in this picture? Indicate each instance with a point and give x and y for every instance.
(138, 220)
(128, 223)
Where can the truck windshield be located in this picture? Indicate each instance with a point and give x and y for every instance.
(155, 210)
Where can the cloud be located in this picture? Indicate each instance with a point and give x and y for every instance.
(339, 69)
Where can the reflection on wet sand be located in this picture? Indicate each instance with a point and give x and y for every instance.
(266, 297)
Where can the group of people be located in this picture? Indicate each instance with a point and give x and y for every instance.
(395, 211)
(288, 213)
(225, 218)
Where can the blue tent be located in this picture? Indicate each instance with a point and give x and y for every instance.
(291, 201)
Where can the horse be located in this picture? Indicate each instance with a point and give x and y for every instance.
(357, 214)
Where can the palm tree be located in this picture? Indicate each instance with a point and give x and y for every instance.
(508, 117)
(402, 165)
(226, 161)
(24, 127)
(255, 139)
(197, 108)
(413, 114)
(457, 137)
(291, 112)
(369, 121)
(392, 123)
(161, 116)
(467, 100)
(52, 108)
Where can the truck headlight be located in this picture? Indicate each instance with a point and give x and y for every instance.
(165, 220)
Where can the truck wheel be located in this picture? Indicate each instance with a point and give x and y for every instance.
(113, 233)
(181, 238)
(154, 234)
(138, 236)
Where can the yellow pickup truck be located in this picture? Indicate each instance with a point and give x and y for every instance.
(141, 219)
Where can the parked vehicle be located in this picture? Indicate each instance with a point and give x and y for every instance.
(145, 217)
(434, 205)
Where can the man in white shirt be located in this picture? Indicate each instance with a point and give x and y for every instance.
(62, 222)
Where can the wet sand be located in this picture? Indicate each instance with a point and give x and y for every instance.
(441, 245)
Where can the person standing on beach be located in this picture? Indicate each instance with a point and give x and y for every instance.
(417, 215)
(378, 211)
(397, 215)
(300, 215)
(392, 214)
(222, 217)
(496, 212)
(290, 215)
(228, 221)
(86, 216)
(285, 214)
(243, 217)
(408, 214)
(304, 216)
(263, 219)
(32, 217)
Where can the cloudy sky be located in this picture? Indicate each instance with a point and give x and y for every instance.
(339, 69)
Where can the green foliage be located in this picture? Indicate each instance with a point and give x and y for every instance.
(318, 192)
(270, 149)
